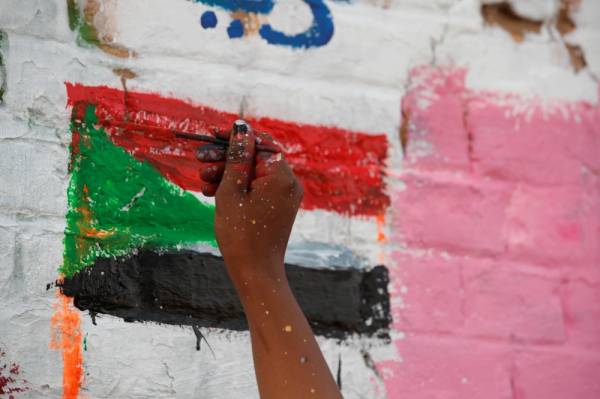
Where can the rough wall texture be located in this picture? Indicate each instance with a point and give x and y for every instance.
(477, 129)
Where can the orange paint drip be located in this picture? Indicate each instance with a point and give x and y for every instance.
(66, 338)
(381, 228)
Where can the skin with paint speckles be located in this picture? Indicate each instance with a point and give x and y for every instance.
(257, 198)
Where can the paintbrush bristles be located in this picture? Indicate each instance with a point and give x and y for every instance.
(218, 141)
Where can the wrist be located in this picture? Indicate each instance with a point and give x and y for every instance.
(256, 275)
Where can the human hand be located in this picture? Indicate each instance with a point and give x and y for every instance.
(257, 197)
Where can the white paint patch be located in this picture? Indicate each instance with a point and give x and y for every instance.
(359, 235)
(539, 67)
(164, 362)
(539, 10)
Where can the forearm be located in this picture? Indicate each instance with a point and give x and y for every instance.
(287, 358)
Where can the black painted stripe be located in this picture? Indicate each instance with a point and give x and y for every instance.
(190, 288)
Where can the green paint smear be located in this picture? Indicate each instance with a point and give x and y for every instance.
(86, 33)
(128, 206)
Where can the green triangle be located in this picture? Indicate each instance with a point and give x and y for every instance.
(117, 204)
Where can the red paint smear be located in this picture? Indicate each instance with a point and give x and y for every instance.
(67, 338)
(9, 373)
(341, 170)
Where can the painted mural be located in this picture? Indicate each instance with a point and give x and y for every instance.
(131, 211)
(318, 34)
(246, 18)
(447, 244)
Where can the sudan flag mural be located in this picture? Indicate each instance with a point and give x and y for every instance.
(134, 221)
(117, 204)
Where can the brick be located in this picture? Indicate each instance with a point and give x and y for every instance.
(451, 213)
(556, 376)
(430, 287)
(25, 332)
(582, 314)
(33, 17)
(434, 108)
(434, 368)
(33, 177)
(13, 128)
(502, 303)
(40, 257)
(538, 145)
(554, 226)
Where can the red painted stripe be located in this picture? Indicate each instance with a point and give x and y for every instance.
(341, 170)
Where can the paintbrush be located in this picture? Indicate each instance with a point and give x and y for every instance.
(215, 140)
(220, 141)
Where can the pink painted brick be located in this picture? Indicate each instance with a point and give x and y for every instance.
(502, 303)
(555, 226)
(435, 106)
(451, 213)
(434, 368)
(497, 134)
(556, 376)
(582, 314)
(432, 300)
(536, 143)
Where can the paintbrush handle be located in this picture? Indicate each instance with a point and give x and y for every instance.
(202, 137)
(218, 141)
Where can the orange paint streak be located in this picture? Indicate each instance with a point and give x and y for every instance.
(85, 225)
(66, 338)
(381, 228)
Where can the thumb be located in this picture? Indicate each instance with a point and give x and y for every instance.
(239, 165)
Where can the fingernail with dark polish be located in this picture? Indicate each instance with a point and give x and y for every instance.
(240, 127)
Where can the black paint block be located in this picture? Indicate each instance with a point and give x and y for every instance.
(190, 288)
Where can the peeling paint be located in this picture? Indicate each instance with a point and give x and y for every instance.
(504, 15)
(565, 25)
(88, 18)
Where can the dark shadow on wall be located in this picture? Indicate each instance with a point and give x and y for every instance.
(3, 77)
